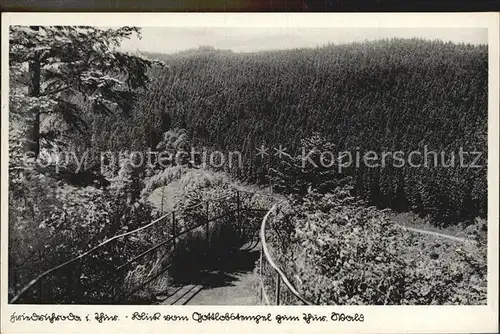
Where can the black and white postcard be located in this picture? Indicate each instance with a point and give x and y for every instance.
(250, 172)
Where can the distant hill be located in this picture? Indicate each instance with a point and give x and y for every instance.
(201, 50)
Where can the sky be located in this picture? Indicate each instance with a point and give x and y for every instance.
(174, 39)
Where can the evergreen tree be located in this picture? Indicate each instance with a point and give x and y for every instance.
(72, 70)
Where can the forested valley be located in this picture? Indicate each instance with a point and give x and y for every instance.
(386, 95)
(382, 96)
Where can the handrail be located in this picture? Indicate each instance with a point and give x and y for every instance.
(154, 222)
(270, 260)
(281, 274)
(192, 228)
(93, 249)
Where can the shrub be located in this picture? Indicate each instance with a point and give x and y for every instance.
(349, 254)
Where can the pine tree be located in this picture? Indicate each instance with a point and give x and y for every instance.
(67, 66)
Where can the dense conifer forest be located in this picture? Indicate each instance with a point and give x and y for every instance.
(388, 95)
(72, 91)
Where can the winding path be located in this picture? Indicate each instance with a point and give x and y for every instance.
(433, 233)
(230, 280)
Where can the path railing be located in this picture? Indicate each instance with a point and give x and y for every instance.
(69, 281)
(270, 273)
(63, 282)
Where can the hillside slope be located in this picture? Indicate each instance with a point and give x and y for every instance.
(382, 96)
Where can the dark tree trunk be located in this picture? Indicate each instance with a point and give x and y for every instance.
(34, 90)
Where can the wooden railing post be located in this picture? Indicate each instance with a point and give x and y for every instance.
(174, 230)
(50, 289)
(207, 226)
(40, 292)
(238, 208)
(238, 204)
(280, 276)
(278, 288)
(162, 197)
(261, 265)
